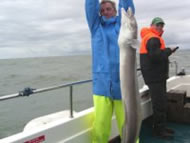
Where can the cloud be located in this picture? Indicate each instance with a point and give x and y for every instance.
(42, 28)
(58, 27)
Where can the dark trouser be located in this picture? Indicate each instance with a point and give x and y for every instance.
(159, 104)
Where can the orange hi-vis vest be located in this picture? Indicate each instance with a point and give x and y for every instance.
(146, 34)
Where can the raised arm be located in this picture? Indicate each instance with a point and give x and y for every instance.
(92, 12)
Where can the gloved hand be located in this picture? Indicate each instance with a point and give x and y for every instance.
(174, 49)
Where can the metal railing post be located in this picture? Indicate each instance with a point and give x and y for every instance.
(71, 101)
(176, 67)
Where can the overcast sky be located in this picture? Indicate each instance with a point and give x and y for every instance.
(58, 27)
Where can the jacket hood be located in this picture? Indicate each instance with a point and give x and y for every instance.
(144, 32)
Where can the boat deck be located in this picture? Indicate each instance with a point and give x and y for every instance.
(178, 114)
(182, 134)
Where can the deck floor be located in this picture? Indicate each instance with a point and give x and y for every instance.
(182, 134)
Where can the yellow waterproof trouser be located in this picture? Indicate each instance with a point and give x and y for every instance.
(103, 111)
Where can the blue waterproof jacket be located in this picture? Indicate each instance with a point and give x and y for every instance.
(105, 49)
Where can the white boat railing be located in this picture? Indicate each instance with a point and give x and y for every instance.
(28, 91)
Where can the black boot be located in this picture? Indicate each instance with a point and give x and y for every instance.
(164, 134)
(169, 130)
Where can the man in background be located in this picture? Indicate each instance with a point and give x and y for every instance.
(154, 66)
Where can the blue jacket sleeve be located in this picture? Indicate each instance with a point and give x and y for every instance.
(92, 13)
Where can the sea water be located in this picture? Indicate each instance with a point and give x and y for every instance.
(16, 74)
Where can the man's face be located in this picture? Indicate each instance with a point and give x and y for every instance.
(159, 27)
(107, 10)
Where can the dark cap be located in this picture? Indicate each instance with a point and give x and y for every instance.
(157, 20)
